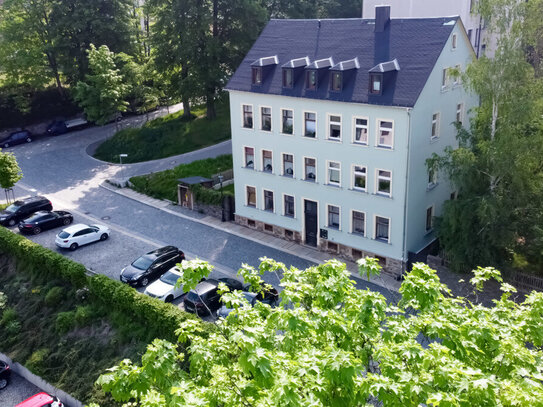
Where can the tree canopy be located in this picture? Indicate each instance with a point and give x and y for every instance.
(330, 344)
(10, 172)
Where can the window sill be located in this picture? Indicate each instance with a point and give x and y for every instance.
(444, 89)
(334, 140)
(382, 195)
(431, 186)
(288, 176)
(310, 181)
(382, 240)
(358, 235)
(386, 148)
(333, 228)
(268, 210)
(333, 185)
(287, 134)
(354, 143)
(429, 232)
(361, 191)
(267, 172)
(310, 138)
(434, 139)
(247, 128)
(250, 207)
(290, 217)
(249, 168)
(266, 131)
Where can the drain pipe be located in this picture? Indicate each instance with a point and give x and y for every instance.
(406, 195)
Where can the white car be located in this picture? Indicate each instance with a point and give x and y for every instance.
(164, 288)
(78, 235)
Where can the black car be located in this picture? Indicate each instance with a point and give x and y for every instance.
(22, 209)
(151, 265)
(5, 372)
(17, 137)
(57, 127)
(268, 296)
(205, 299)
(44, 220)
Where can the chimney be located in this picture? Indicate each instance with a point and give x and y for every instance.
(382, 17)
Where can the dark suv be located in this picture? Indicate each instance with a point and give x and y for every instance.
(17, 137)
(205, 298)
(22, 209)
(151, 265)
(5, 372)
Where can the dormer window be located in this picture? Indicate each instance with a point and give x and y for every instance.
(288, 78)
(257, 75)
(311, 80)
(376, 84)
(336, 82)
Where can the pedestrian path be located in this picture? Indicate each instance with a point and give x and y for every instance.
(293, 248)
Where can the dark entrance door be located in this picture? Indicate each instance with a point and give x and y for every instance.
(310, 211)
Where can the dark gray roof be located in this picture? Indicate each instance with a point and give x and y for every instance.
(193, 180)
(415, 43)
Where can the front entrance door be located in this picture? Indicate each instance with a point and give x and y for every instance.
(310, 212)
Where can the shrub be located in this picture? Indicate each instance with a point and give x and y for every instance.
(53, 296)
(8, 316)
(36, 361)
(65, 321)
(83, 315)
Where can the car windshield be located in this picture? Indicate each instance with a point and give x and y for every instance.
(142, 263)
(13, 208)
(170, 278)
(63, 235)
(34, 218)
(193, 296)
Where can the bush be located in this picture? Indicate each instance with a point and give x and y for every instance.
(83, 315)
(54, 296)
(8, 316)
(36, 361)
(65, 321)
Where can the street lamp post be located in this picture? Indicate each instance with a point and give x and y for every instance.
(222, 200)
(121, 161)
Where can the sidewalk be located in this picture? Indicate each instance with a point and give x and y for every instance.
(304, 252)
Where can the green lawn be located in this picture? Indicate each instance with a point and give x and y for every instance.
(163, 184)
(167, 136)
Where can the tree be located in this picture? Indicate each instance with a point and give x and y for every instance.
(330, 344)
(102, 94)
(10, 172)
(497, 168)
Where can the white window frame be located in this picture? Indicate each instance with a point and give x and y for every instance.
(432, 181)
(328, 168)
(243, 116)
(432, 212)
(378, 138)
(352, 223)
(445, 79)
(263, 162)
(245, 158)
(437, 122)
(281, 118)
(354, 172)
(454, 41)
(328, 216)
(329, 132)
(377, 178)
(305, 171)
(261, 119)
(361, 126)
(457, 79)
(460, 113)
(283, 165)
(294, 206)
(304, 127)
(264, 200)
(375, 228)
(247, 196)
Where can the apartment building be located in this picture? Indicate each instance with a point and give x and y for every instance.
(332, 122)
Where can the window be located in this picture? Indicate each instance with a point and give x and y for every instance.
(267, 161)
(288, 165)
(375, 83)
(289, 206)
(432, 178)
(382, 226)
(287, 78)
(435, 126)
(257, 76)
(333, 217)
(310, 169)
(265, 116)
(384, 181)
(453, 196)
(361, 131)
(445, 79)
(287, 127)
(454, 41)
(334, 173)
(248, 116)
(459, 113)
(334, 127)
(311, 80)
(359, 179)
(470, 32)
(429, 218)
(310, 124)
(336, 82)
(358, 223)
(249, 157)
(268, 201)
(386, 134)
(251, 197)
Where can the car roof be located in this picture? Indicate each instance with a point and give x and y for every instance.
(37, 400)
(163, 250)
(206, 286)
(75, 228)
(175, 270)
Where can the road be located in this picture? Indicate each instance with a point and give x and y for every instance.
(17, 391)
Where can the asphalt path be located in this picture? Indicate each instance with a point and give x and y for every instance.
(17, 391)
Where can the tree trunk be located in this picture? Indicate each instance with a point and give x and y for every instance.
(184, 96)
(54, 67)
(210, 105)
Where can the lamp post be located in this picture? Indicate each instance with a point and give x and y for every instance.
(222, 199)
(121, 161)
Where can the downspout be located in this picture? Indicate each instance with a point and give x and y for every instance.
(405, 256)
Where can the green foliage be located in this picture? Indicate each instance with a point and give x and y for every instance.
(335, 345)
(8, 315)
(10, 172)
(65, 321)
(37, 361)
(54, 296)
(164, 184)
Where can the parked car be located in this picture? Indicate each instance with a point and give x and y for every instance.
(205, 298)
(5, 373)
(78, 235)
(164, 288)
(17, 137)
(151, 265)
(44, 220)
(22, 209)
(41, 400)
(58, 127)
(268, 296)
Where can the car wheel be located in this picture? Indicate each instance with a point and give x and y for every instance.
(169, 298)
(104, 236)
(11, 222)
(67, 221)
(144, 282)
(28, 140)
(36, 230)
(6, 145)
(3, 383)
(73, 246)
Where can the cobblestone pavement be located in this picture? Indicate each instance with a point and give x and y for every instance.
(17, 391)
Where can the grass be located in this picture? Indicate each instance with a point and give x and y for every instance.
(163, 185)
(167, 136)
